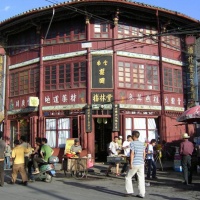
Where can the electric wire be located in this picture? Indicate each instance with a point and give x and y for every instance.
(137, 38)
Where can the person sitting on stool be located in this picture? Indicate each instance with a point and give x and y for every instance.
(76, 147)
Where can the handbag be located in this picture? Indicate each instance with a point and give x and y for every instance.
(90, 163)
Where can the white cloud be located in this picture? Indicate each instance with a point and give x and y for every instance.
(6, 8)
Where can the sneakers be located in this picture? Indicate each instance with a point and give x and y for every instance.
(128, 195)
(31, 180)
(155, 177)
(11, 183)
(139, 196)
(25, 183)
(36, 171)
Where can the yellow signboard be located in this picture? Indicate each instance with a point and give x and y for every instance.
(33, 101)
(69, 143)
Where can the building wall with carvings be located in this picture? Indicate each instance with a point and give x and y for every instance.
(100, 71)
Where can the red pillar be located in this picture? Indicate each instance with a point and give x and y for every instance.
(40, 120)
(7, 90)
(90, 143)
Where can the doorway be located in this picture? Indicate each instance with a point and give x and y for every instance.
(103, 136)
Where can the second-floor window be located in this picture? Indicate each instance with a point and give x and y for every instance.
(24, 82)
(138, 76)
(173, 80)
(66, 75)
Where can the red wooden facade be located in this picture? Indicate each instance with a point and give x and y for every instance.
(138, 70)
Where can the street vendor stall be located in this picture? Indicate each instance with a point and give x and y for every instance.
(74, 164)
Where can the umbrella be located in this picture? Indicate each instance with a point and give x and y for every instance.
(191, 115)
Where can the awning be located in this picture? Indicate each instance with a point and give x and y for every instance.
(191, 115)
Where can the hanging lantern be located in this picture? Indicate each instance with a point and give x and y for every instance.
(99, 120)
(105, 121)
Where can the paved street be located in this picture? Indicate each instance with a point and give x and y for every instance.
(97, 186)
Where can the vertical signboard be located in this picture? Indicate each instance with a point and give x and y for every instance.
(102, 71)
(191, 73)
(115, 117)
(2, 79)
(88, 118)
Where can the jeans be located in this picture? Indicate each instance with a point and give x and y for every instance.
(30, 170)
(151, 167)
(139, 169)
(7, 162)
(36, 161)
(2, 173)
(124, 168)
(187, 168)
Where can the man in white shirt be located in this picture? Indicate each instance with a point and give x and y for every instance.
(112, 150)
(113, 147)
(150, 160)
(126, 148)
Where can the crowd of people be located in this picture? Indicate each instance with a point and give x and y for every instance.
(25, 159)
(142, 155)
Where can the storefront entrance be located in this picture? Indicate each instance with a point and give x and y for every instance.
(103, 136)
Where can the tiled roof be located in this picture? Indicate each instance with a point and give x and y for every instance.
(133, 3)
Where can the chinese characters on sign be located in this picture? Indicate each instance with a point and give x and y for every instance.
(64, 97)
(1, 82)
(102, 97)
(149, 98)
(115, 117)
(102, 71)
(88, 118)
(190, 75)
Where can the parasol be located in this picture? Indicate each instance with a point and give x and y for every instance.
(191, 115)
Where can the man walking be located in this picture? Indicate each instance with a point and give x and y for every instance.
(137, 157)
(18, 162)
(186, 150)
(2, 150)
(126, 148)
(7, 155)
(25, 144)
(113, 150)
(150, 160)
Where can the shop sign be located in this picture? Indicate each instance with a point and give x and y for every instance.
(88, 118)
(115, 117)
(33, 101)
(1, 82)
(64, 97)
(191, 89)
(102, 71)
(102, 97)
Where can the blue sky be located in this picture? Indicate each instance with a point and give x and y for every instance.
(10, 8)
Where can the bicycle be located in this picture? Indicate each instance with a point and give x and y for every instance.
(78, 170)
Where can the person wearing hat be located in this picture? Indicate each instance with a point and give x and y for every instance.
(76, 147)
(186, 150)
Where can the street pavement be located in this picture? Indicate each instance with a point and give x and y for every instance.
(99, 187)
